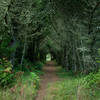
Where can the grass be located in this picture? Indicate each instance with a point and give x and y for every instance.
(66, 88)
(70, 87)
(24, 89)
(22, 92)
(27, 84)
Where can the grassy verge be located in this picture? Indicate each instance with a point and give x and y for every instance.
(17, 84)
(74, 87)
(25, 89)
(65, 89)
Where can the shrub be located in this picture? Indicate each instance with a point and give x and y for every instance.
(38, 65)
(20, 91)
(6, 74)
(36, 79)
(90, 85)
(5, 50)
(92, 80)
(39, 72)
(28, 66)
(32, 78)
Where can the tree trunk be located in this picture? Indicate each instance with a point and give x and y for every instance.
(24, 51)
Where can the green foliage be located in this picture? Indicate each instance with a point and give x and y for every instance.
(36, 79)
(77, 36)
(90, 86)
(25, 84)
(92, 80)
(5, 50)
(39, 72)
(38, 65)
(7, 77)
(28, 66)
(25, 88)
(64, 89)
(63, 73)
(33, 78)
(51, 26)
(4, 63)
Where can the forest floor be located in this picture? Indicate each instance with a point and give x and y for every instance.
(50, 70)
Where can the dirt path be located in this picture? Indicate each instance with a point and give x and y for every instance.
(49, 77)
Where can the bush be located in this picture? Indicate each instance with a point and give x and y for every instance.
(92, 80)
(22, 90)
(32, 78)
(5, 42)
(6, 74)
(29, 66)
(90, 85)
(38, 65)
(36, 79)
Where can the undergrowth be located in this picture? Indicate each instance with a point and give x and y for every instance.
(74, 87)
(65, 89)
(25, 88)
(19, 84)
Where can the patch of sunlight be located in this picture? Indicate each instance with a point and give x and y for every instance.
(48, 57)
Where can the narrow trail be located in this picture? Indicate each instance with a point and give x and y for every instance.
(50, 76)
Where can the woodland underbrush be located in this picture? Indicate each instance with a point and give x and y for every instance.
(75, 87)
(19, 84)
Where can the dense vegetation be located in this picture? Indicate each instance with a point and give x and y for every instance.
(31, 29)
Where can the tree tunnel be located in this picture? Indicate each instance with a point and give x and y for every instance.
(67, 29)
